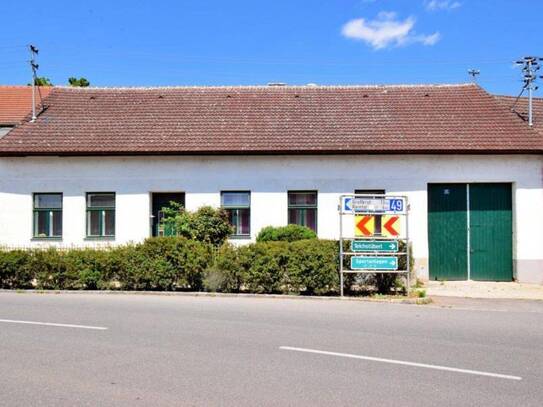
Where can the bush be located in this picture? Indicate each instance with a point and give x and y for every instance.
(265, 266)
(164, 263)
(313, 266)
(207, 224)
(226, 274)
(85, 269)
(14, 270)
(176, 263)
(289, 233)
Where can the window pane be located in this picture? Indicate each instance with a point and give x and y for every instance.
(236, 199)
(101, 200)
(46, 201)
(302, 198)
(109, 223)
(94, 219)
(303, 217)
(41, 224)
(240, 219)
(233, 219)
(244, 221)
(57, 223)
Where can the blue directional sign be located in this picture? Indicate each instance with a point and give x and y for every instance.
(387, 246)
(370, 205)
(347, 204)
(395, 204)
(387, 263)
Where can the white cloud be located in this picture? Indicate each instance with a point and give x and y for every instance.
(434, 5)
(387, 30)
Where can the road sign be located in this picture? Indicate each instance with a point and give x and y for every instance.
(347, 204)
(378, 205)
(364, 225)
(388, 246)
(374, 263)
(390, 225)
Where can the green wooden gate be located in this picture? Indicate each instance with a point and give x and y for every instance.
(491, 225)
(486, 245)
(447, 231)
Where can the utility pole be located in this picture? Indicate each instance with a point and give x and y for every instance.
(530, 65)
(34, 66)
(474, 73)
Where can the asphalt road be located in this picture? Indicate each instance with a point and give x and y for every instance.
(133, 350)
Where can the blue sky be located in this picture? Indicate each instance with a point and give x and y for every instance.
(235, 42)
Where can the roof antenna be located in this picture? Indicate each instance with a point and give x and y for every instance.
(34, 66)
(530, 65)
(473, 73)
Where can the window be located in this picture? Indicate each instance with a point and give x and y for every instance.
(378, 218)
(48, 215)
(302, 208)
(100, 214)
(238, 207)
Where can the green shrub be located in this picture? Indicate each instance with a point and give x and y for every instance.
(226, 274)
(289, 233)
(265, 267)
(176, 263)
(313, 267)
(207, 224)
(14, 270)
(85, 269)
(164, 263)
(49, 269)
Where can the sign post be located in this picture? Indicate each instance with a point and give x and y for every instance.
(379, 241)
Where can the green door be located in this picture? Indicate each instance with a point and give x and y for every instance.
(491, 229)
(447, 231)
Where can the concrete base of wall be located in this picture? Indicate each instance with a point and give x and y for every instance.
(529, 271)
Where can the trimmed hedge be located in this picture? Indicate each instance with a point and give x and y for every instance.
(176, 263)
(289, 233)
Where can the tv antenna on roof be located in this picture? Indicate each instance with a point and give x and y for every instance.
(474, 73)
(34, 66)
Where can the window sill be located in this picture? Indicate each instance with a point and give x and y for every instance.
(46, 239)
(240, 237)
(103, 238)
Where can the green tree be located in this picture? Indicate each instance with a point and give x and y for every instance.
(206, 224)
(42, 81)
(81, 82)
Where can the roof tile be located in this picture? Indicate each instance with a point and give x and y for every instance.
(267, 120)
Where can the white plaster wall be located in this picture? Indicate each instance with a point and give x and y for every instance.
(268, 178)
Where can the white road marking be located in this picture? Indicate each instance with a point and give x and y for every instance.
(402, 362)
(13, 321)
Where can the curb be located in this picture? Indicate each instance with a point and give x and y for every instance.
(402, 300)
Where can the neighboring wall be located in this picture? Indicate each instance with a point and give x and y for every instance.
(268, 179)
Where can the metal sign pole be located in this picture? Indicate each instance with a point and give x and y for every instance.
(407, 243)
(374, 253)
(340, 246)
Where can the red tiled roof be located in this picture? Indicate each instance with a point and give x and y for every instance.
(520, 108)
(16, 102)
(273, 120)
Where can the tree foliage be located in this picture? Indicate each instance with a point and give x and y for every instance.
(81, 82)
(289, 233)
(42, 81)
(207, 224)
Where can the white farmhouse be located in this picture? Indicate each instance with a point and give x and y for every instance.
(98, 164)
